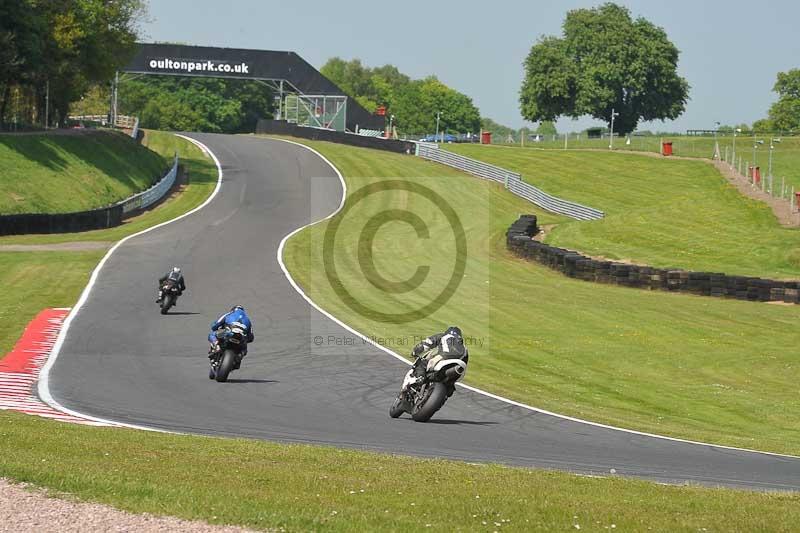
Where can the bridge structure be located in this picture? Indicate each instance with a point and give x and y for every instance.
(304, 96)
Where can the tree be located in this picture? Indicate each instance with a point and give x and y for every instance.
(785, 113)
(764, 125)
(196, 104)
(603, 61)
(547, 127)
(413, 102)
(420, 101)
(66, 44)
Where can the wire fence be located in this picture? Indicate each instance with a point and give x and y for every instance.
(511, 180)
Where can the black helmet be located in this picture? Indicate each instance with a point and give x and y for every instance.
(455, 331)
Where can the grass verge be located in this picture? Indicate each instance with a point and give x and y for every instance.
(673, 214)
(304, 488)
(202, 180)
(56, 278)
(46, 173)
(701, 368)
(785, 154)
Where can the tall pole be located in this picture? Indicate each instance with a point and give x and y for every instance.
(733, 155)
(47, 105)
(611, 141)
(771, 148)
(436, 137)
(115, 109)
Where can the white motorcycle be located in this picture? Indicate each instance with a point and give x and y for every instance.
(422, 396)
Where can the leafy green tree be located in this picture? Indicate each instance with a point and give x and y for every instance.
(764, 125)
(196, 104)
(68, 44)
(420, 101)
(547, 127)
(785, 113)
(604, 60)
(413, 102)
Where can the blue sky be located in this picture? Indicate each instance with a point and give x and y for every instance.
(730, 50)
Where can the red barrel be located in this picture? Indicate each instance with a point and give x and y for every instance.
(486, 137)
(757, 175)
(666, 148)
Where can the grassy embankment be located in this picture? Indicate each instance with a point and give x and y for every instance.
(64, 173)
(55, 278)
(679, 214)
(785, 160)
(702, 368)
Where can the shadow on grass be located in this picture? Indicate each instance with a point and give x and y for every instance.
(115, 155)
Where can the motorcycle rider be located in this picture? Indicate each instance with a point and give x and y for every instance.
(236, 316)
(174, 276)
(447, 345)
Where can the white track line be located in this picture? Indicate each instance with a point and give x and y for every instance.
(468, 387)
(44, 379)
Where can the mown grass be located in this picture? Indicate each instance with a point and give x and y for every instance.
(202, 174)
(45, 173)
(785, 157)
(33, 281)
(707, 369)
(303, 488)
(679, 214)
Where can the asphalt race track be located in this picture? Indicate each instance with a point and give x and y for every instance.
(123, 361)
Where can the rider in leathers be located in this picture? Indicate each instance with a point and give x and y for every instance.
(174, 276)
(447, 345)
(236, 316)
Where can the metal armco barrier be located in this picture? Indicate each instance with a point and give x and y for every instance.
(512, 181)
(102, 218)
(135, 130)
(150, 196)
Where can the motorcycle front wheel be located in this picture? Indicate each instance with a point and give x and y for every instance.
(434, 401)
(396, 408)
(166, 303)
(226, 364)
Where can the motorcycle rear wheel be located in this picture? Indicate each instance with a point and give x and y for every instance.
(226, 364)
(432, 403)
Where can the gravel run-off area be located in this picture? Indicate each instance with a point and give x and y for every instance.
(24, 508)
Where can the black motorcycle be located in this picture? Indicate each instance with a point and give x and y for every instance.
(422, 396)
(169, 295)
(231, 342)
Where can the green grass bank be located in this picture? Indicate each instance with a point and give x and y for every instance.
(701, 368)
(663, 213)
(61, 173)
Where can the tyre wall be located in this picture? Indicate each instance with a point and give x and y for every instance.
(519, 240)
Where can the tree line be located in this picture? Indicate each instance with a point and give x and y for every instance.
(60, 48)
(415, 104)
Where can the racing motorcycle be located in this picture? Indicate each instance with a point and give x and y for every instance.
(169, 295)
(231, 341)
(422, 397)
